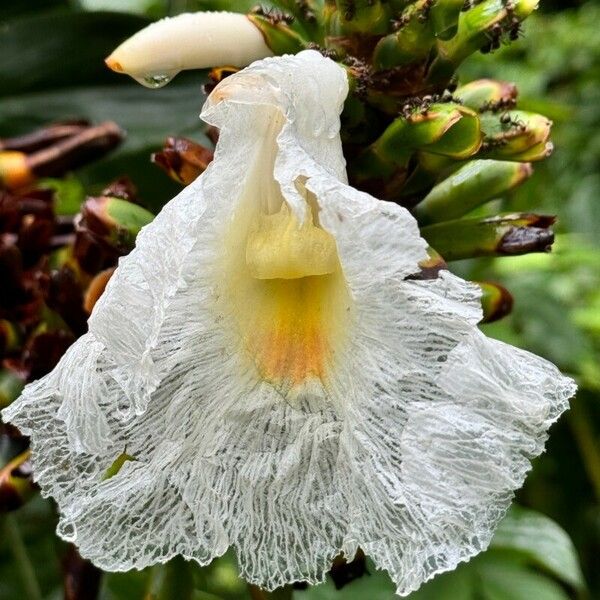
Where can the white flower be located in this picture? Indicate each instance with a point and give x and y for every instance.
(282, 385)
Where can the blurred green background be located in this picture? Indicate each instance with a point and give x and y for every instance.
(548, 548)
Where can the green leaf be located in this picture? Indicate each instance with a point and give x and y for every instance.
(504, 580)
(544, 543)
(61, 49)
(142, 7)
(36, 523)
(375, 586)
(456, 585)
(125, 586)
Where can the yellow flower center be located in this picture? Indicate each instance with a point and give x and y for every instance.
(286, 289)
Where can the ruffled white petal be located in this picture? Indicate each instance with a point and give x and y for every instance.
(410, 442)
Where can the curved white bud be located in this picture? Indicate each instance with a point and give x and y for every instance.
(155, 54)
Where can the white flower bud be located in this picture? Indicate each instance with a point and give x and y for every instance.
(155, 54)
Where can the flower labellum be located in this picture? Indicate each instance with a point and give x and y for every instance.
(277, 379)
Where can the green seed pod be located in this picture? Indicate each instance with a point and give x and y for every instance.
(472, 185)
(485, 94)
(510, 234)
(496, 301)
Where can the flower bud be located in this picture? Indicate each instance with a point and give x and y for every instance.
(431, 266)
(15, 171)
(65, 297)
(448, 129)
(275, 26)
(81, 578)
(487, 94)
(470, 186)
(496, 301)
(516, 135)
(411, 42)
(154, 55)
(182, 159)
(96, 289)
(46, 346)
(510, 234)
(113, 221)
(369, 17)
(16, 483)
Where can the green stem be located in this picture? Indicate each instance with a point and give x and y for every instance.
(26, 570)
(586, 439)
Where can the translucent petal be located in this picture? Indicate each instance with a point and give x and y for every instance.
(410, 430)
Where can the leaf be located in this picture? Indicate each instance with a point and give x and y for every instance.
(543, 542)
(36, 522)
(456, 585)
(143, 7)
(125, 586)
(10, 10)
(375, 586)
(504, 580)
(47, 50)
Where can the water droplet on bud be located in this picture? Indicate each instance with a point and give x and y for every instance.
(155, 80)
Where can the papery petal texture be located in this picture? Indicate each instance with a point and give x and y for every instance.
(292, 419)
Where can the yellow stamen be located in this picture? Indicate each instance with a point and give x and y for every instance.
(288, 298)
(281, 248)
